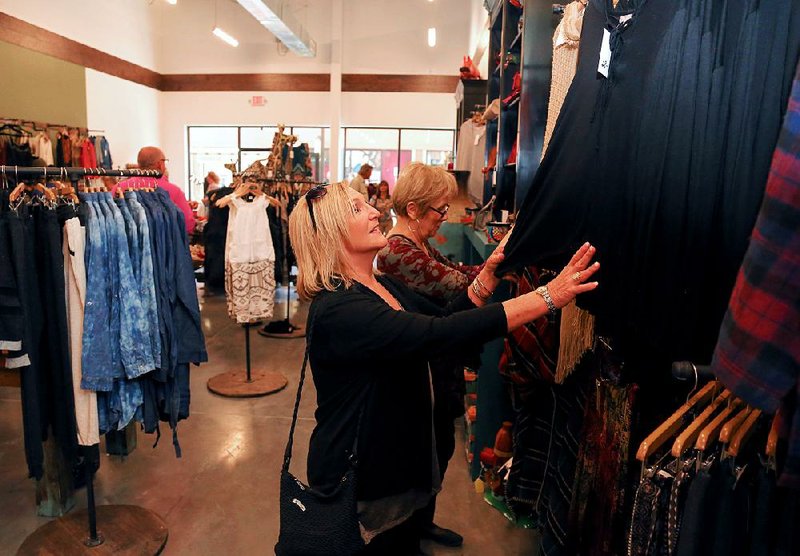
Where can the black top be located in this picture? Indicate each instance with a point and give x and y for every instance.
(364, 352)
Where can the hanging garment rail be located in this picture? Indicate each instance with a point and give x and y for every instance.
(55, 171)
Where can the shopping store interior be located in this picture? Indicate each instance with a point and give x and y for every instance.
(556, 313)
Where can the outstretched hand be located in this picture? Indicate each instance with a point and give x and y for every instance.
(573, 278)
(498, 255)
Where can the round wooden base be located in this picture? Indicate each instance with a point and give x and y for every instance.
(233, 384)
(125, 530)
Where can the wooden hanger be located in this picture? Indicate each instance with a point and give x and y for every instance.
(772, 439)
(744, 433)
(710, 433)
(46, 192)
(687, 438)
(729, 429)
(669, 427)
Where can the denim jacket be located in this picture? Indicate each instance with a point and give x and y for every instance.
(96, 358)
(134, 335)
(144, 273)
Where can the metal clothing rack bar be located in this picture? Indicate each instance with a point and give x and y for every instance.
(74, 172)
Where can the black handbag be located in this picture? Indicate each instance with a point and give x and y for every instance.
(314, 523)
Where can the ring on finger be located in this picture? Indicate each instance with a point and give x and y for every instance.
(577, 276)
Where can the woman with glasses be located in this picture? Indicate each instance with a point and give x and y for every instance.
(369, 342)
(421, 200)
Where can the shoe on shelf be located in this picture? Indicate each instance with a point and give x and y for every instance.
(442, 536)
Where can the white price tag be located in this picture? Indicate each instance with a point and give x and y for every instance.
(605, 54)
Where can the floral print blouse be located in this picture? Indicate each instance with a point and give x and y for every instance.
(433, 275)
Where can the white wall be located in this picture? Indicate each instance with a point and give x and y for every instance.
(432, 110)
(390, 36)
(122, 28)
(127, 112)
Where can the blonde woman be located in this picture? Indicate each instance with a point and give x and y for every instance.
(370, 338)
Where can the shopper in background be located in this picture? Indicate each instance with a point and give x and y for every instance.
(210, 183)
(370, 339)
(382, 202)
(421, 199)
(153, 158)
(359, 183)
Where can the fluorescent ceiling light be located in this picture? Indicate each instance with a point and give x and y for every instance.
(225, 36)
(269, 13)
(432, 37)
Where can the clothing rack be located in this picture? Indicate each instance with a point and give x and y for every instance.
(261, 383)
(57, 532)
(73, 173)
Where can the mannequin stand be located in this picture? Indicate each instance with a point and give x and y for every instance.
(235, 384)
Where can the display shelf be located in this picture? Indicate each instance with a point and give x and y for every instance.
(477, 247)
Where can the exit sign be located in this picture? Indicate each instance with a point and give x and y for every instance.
(258, 100)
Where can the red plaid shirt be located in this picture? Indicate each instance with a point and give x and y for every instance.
(758, 351)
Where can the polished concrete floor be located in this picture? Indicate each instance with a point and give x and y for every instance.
(221, 497)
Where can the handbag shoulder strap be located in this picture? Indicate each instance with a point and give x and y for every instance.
(287, 455)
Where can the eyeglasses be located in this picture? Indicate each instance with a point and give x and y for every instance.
(442, 212)
(316, 192)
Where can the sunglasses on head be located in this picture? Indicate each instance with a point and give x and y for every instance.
(316, 192)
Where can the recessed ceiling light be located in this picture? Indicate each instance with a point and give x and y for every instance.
(172, 2)
(225, 36)
(432, 37)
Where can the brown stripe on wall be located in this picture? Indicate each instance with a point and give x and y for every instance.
(247, 82)
(362, 83)
(22, 33)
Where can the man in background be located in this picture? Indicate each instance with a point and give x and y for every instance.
(359, 182)
(152, 158)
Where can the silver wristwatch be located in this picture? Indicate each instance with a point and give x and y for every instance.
(545, 293)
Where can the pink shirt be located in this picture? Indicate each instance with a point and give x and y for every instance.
(175, 193)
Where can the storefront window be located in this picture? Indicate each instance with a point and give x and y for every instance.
(257, 137)
(390, 150)
(211, 147)
(377, 147)
(430, 146)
